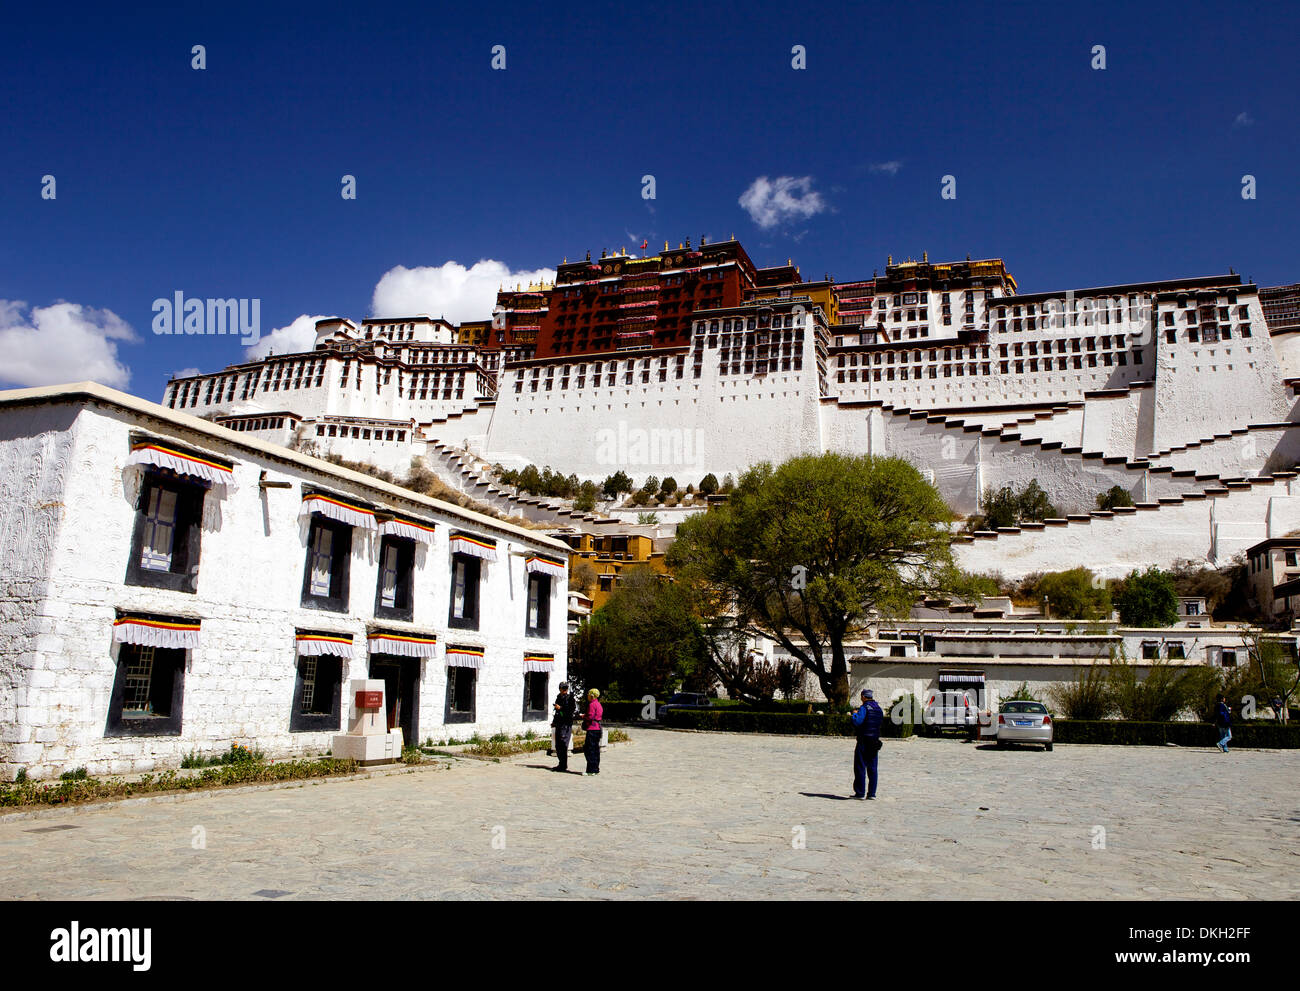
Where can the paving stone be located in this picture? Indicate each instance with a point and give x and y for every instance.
(694, 815)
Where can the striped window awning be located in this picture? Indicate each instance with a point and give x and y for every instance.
(319, 644)
(402, 644)
(338, 509)
(149, 452)
(539, 662)
(171, 634)
(464, 543)
(404, 526)
(464, 657)
(545, 566)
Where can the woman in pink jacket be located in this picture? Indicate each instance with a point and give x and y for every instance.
(591, 723)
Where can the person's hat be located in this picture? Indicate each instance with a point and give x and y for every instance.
(594, 693)
(867, 693)
(564, 686)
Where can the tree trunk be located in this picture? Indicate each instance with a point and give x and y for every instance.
(836, 683)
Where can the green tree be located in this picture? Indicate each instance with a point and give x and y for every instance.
(1072, 595)
(801, 554)
(668, 486)
(1147, 598)
(728, 485)
(585, 500)
(1000, 508)
(709, 484)
(644, 639)
(1116, 495)
(1007, 507)
(616, 484)
(647, 519)
(1033, 506)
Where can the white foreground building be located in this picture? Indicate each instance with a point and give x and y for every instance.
(169, 585)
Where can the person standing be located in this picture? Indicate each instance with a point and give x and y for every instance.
(1223, 720)
(591, 724)
(867, 721)
(565, 704)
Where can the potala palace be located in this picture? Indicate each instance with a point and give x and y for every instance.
(694, 360)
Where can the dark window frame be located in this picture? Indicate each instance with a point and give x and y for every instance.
(473, 579)
(461, 715)
(543, 627)
(530, 678)
(170, 725)
(340, 566)
(317, 722)
(183, 574)
(405, 591)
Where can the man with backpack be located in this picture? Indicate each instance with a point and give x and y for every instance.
(867, 721)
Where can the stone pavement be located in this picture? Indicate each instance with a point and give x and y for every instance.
(694, 815)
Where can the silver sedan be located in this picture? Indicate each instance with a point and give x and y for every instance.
(1024, 722)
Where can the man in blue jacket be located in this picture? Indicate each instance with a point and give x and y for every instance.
(1223, 719)
(867, 721)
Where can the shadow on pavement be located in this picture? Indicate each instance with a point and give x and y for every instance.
(815, 794)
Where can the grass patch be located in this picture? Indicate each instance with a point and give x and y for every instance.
(507, 747)
(75, 790)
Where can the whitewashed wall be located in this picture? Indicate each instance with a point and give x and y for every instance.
(239, 684)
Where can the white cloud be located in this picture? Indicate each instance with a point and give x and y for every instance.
(890, 167)
(66, 342)
(770, 202)
(186, 373)
(1243, 120)
(296, 337)
(449, 290)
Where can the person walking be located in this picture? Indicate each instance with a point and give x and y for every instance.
(591, 723)
(1223, 720)
(867, 721)
(564, 706)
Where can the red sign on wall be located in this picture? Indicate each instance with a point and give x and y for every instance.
(370, 700)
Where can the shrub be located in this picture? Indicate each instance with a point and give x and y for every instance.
(1116, 495)
(1185, 734)
(709, 484)
(1072, 595)
(1088, 697)
(1159, 697)
(76, 774)
(1147, 599)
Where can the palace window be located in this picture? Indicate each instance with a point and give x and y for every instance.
(148, 690)
(325, 578)
(539, 605)
(462, 691)
(393, 597)
(317, 694)
(165, 545)
(465, 574)
(536, 695)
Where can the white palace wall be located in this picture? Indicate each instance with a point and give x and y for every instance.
(1209, 528)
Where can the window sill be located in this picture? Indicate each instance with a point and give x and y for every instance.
(323, 605)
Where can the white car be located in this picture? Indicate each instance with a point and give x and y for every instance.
(1024, 722)
(952, 708)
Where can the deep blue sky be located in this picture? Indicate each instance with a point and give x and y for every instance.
(226, 182)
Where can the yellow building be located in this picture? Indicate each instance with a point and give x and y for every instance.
(609, 554)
